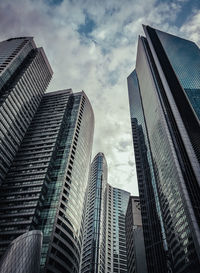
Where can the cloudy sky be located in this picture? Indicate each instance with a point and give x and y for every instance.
(91, 46)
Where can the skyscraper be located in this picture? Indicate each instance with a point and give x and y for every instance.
(164, 103)
(136, 257)
(23, 254)
(120, 203)
(104, 244)
(93, 259)
(45, 186)
(152, 221)
(24, 76)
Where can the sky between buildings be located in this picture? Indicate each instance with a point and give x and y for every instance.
(91, 46)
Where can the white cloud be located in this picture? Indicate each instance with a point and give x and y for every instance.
(99, 65)
(191, 28)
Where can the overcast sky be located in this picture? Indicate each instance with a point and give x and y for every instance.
(91, 46)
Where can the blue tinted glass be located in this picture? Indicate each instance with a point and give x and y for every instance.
(184, 57)
(167, 169)
(137, 117)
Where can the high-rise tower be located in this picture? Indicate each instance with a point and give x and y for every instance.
(165, 103)
(24, 76)
(45, 186)
(136, 257)
(104, 244)
(23, 254)
(93, 259)
(152, 222)
(120, 203)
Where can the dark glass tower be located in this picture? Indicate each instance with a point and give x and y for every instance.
(24, 76)
(45, 186)
(154, 235)
(164, 103)
(136, 257)
(93, 259)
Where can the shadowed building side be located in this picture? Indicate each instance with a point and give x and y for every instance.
(23, 254)
(24, 76)
(167, 82)
(136, 257)
(46, 184)
(154, 237)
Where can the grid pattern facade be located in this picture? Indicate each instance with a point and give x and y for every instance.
(45, 186)
(24, 76)
(172, 131)
(70, 177)
(104, 244)
(23, 254)
(12, 53)
(26, 184)
(93, 258)
(109, 230)
(115, 240)
(120, 203)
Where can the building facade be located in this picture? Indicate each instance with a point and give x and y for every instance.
(45, 186)
(115, 253)
(164, 104)
(104, 244)
(93, 258)
(136, 257)
(109, 230)
(23, 254)
(154, 236)
(120, 203)
(24, 76)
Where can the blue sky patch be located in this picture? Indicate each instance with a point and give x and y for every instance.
(53, 2)
(88, 27)
(187, 7)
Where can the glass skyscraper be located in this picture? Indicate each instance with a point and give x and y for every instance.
(45, 186)
(24, 76)
(164, 104)
(93, 259)
(23, 254)
(46, 144)
(152, 222)
(104, 244)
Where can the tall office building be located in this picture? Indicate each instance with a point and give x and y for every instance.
(45, 186)
(152, 222)
(120, 203)
(93, 259)
(116, 201)
(23, 254)
(104, 244)
(136, 257)
(24, 76)
(164, 104)
(109, 230)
